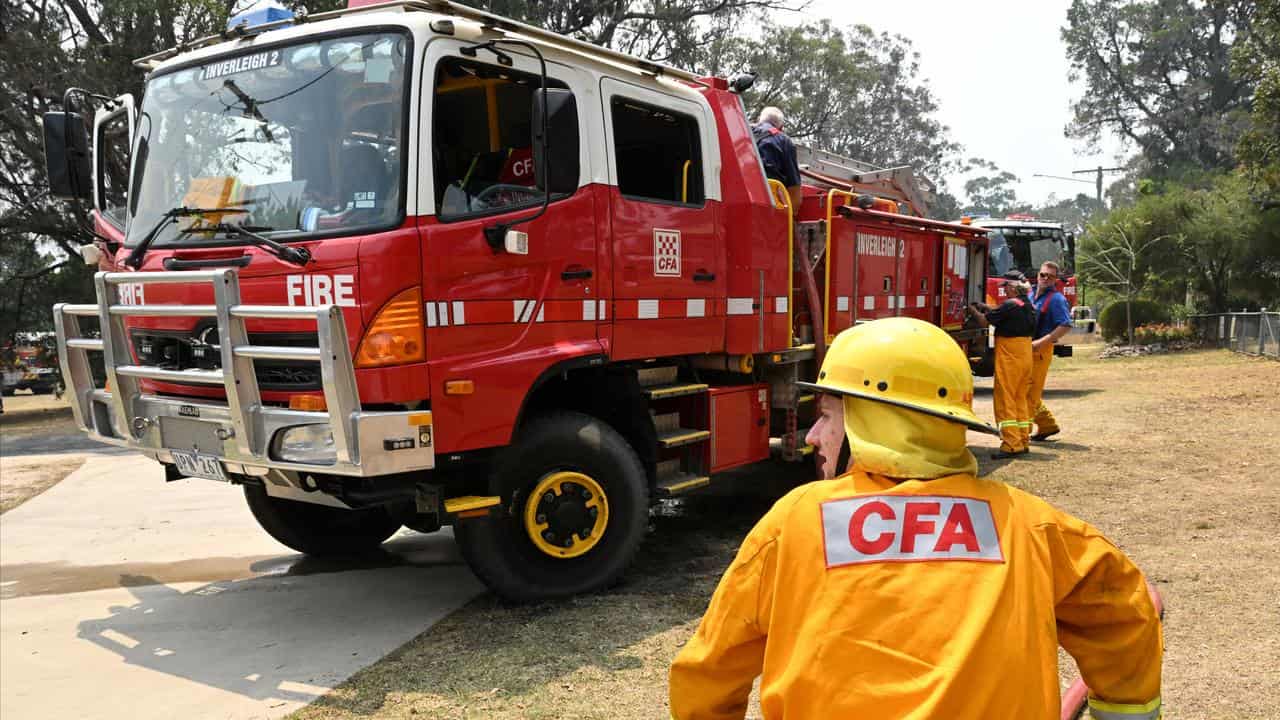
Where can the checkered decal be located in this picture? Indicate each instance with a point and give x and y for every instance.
(666, 253)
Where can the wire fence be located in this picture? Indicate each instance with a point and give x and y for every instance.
(1252, 333)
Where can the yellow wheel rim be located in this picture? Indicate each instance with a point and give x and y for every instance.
(566, 514)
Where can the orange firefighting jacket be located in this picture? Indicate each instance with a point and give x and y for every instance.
(861, 597)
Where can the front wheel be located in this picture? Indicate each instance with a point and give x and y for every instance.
(319, 529)
(576, 506)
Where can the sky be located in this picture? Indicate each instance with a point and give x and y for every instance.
(998, 69)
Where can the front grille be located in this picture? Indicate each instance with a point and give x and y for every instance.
(199, 349)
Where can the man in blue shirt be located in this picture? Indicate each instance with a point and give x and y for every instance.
(1054, 321)
(777, 152)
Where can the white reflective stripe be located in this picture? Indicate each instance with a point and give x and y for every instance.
(431, 314)
(842, 303)
(898, 528)
(869, 302)
(695, 307)
(542, 309)
(1102, 710)
(443, 310)
(902, 301)
(780, 305)
(919, 301)
(588, 309)
(646, 309)
(890, 300)
(523, 310)
(459, 314)
(739, 306)
(601, 314)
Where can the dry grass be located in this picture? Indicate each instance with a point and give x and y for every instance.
(1175, 457)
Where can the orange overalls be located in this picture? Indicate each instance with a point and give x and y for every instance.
(861, 597)
(1014, 322)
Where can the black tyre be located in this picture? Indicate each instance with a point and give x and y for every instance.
(575, 509)
(319, 529)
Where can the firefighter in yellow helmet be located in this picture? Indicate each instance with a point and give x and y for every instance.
(1014, 321)
(908, 587)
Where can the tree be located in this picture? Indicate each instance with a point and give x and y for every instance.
(1257, 58)
(1115, 255)
(684, 33)
(992, 194)
(851, 92)
(1158, 72)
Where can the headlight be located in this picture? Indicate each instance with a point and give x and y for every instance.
(311, 444)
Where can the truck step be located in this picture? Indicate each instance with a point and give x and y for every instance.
(662, 392)
(680, 483)
(678, 437)
(662, 375)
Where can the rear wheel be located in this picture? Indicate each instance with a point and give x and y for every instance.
(576, 506)
(319, 529)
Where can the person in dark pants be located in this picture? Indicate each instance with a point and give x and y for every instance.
(1014, 321)
(777, 152)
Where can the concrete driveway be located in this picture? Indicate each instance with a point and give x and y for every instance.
(121, 596)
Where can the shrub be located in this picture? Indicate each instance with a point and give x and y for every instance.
(1145, 312)
(1161, 333)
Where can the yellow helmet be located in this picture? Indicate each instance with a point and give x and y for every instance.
(904, 362)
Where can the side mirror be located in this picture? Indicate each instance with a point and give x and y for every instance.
(66, 155)
(559, 148)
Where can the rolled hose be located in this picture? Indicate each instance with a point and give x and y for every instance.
(1077, 696)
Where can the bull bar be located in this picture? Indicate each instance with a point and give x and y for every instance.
(238, 432)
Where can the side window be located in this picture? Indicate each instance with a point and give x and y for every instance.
(483, 138)
(113, 155)
(658, 154)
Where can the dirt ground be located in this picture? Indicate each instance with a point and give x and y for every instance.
(23, 476)
(1175, 457)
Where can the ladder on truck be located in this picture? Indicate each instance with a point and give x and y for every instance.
(900, 183)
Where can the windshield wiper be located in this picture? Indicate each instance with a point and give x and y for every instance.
(171, 215)
(288, 253)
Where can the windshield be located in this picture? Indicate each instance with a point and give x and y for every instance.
(300, 140)
(1024, 249)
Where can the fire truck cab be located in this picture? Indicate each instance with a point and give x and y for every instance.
(414, 264)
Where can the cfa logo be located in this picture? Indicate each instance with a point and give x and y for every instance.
(907, 528)
(666, 252)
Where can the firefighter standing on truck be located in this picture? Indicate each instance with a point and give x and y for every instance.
(1014, 321)
(1053, 320)
(777, 152)
(910, 588)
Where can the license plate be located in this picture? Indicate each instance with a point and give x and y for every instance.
(194, 464)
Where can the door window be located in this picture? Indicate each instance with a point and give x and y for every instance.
(113, 156)
(483, 138)
(658, 154)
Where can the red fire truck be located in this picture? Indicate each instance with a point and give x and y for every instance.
(414, 264)
(1022, 242)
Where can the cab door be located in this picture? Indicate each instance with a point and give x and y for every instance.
(668, 255)
(497, 320)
